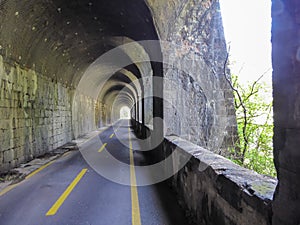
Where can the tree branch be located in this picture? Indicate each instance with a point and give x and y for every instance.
(241, 104)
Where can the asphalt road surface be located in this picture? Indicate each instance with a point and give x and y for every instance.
(73, 191)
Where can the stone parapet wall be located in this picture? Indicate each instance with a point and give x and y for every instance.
(214, 190)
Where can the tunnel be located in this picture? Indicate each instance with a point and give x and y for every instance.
(152, 74)
(61, 40)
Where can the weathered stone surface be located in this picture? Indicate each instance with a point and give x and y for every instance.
(286, 86)
(217, 191)
(198, 100)
(36, 114)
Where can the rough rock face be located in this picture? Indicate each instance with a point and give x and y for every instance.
(199, 102)
(286, 86)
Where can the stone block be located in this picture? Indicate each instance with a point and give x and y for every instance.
(8, 156)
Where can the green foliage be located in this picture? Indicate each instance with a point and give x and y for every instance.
(253, 102)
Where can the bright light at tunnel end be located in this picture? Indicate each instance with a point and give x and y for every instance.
(125, 112)
(175, 161)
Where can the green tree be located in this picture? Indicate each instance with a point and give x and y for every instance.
(253, 104)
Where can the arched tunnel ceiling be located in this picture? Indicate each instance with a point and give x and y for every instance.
(119, 86)
(119, 89)
(117, 80)
(114, 61)
(61, 38)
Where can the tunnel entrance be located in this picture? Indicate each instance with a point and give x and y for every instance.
(125, 112)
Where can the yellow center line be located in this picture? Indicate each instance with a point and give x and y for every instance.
(103, 146)
(64, 196)
(96, 135)
(39, 170)
(135, 208)
(116, 130)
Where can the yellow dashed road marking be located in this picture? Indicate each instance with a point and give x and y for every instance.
(64, 196)
(102, 148)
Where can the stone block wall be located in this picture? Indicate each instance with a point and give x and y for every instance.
(84, 110)
(35, 114)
